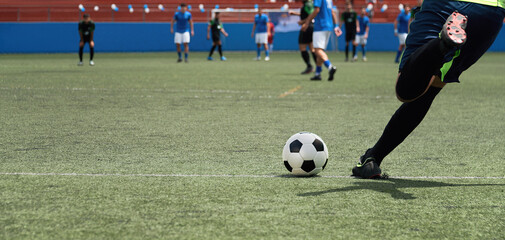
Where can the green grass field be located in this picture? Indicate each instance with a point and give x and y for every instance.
(193, 151)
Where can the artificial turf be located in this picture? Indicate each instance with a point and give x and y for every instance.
(134, 115)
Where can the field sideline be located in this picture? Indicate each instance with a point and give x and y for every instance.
(141, 147)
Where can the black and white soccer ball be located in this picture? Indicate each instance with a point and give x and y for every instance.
(305, 154)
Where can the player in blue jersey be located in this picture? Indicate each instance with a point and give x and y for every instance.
(184, 26)
(437, 52)
(261, 32)
(362, 35)
(402, 30)
(325, 23)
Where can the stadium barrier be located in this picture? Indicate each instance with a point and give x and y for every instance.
(152, 37)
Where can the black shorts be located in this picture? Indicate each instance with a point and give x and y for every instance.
(86, 39)
(350, 35)
(216, 37)
(484, 24)
(305, 37)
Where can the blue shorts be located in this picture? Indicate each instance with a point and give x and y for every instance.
(484, 24)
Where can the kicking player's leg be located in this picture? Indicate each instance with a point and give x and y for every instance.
(313, 52)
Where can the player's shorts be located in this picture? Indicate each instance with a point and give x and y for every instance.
(350, 35)
(262, 38)
(320, 39)
(402, 37)
(305, 37)
(484, 24)
(360, 40)
(86, 39)
(216, 37)
(181, 38)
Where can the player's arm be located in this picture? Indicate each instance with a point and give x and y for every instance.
(269, 29)
(172, 25)
(357, 25)
(254, 29)
(396, 25)
(337, 29)
(80, 32)
(366, 31)
(294, 13)
(224, 31)
(92, 32)
(192, 27)
(308, 20)
(208, 32)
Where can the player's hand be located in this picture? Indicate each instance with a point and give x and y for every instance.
(338, 31)
(172, 31)
(252, 35)
(365, 36)
(192, 33)
(208, 37)
(304, 27)
(301, 22)
(225, 34)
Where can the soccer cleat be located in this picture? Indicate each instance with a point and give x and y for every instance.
(333, 69)
(79, 64)
(210, 58)
(186, 60)
(257, 58)
(346, 60)
(367, 168)
(223, 58)
(316, 78)
(364, 59)
(355, 58)
(91, 63)
(453, 33)
(308, 70)
(267, 58)
(179, 60)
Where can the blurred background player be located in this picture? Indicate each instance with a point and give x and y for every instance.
(183, 28)
(260, 32)
(325, 22)
(362, 35)
(402, 29)
(446, 38)
(350, 21)
(305, 37)
(271, 35)
(216, 28)
(86, 32)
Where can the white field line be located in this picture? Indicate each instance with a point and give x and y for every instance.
(217, 175)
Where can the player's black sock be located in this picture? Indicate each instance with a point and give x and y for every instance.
(419, 68)
(91, 53)
(81, 49)
(212, 50)
(402, 123)
(306, 58)
(353, 50)
(314, 56)
(220, 49)
(346, 51)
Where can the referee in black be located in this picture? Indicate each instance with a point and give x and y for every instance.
(305, 37)
(86, 32)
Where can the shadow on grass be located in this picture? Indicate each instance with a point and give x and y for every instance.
(392, 186)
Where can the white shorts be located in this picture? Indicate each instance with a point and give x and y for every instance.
(262, 38)
(402, 37)
(360, 40)
(181, 38)
(320, 39)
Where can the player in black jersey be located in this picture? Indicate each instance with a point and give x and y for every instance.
(216, 28)
(305, 37)
(350, 19)
(86, 32)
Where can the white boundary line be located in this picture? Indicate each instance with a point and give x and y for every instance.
(217, 176)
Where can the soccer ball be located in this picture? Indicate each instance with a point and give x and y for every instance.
(305, 154)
